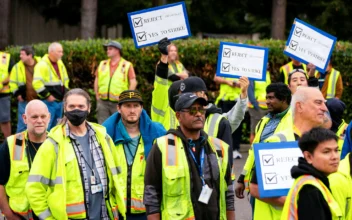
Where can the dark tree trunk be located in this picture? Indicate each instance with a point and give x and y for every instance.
(88, 18)
(4, 23)
(278, 19)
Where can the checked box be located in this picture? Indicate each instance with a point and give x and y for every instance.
(293, 45)
(225, 67)
(270, 178)
(268, 160)
(141, 36)
(227, 52)
(298, 31)
(137, 22)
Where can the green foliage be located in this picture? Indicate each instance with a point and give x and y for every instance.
(199, 57)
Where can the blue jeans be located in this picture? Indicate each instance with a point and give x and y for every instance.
(56, 110)
(21, 126)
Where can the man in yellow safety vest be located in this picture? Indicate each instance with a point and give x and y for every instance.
(133, 134)
(16, 155)
(74, 174)
(112, 76)
(187, 174)
(50, 81)
(21, 79)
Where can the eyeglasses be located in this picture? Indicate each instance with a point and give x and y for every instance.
(194, 110)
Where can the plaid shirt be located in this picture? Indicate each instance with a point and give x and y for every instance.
(99, 161)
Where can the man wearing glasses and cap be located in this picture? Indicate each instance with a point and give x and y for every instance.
(113, 76)
(188, 175)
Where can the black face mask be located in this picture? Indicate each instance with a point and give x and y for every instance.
(76, 117)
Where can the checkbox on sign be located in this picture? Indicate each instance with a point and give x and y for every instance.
(225, 67)
(141, 36)
(298, 31)
(227, 52)
(268, 160)
(270, 178)
(137, 22)
(293, 45)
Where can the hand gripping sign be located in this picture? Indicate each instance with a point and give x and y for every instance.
(308, 44)
(236, 60)
(273, 163)
(151, 25)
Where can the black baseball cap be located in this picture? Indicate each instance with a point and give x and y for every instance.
(186, 100)
(130, 96)
(193, 84)
(173, 93)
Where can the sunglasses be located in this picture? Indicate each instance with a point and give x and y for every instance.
(194, 110)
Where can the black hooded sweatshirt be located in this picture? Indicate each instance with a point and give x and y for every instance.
(311, 203)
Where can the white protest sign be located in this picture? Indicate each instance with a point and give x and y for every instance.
(273, 164)
(236, 60)
(149, 26)
(308, 44)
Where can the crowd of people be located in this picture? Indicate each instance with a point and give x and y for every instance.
(177, 163)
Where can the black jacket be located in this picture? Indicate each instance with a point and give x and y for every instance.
(153, 179)
(311, 203)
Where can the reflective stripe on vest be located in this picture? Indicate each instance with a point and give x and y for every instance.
(212, 122)
(15, 186)
(292, 198)
(45, 214)
(331, 91)
(171, 150)
(75, 208)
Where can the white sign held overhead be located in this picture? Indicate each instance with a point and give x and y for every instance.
(309, 44)
(236, 60)
(151, 25)
(273, 165)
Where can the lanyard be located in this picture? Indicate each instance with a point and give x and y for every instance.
(200, 166)
(75, 145)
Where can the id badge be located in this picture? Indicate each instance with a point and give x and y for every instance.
(205, 194)
(96, 188)
(92, 180)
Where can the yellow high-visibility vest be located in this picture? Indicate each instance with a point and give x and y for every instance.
(176, 201)
(55, 178)
(15, 187)
(290, 210)
(110, 87)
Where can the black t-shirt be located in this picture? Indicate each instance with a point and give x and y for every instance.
(5, 167)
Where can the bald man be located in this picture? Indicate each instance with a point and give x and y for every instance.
(50, 81)
(16, 156)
